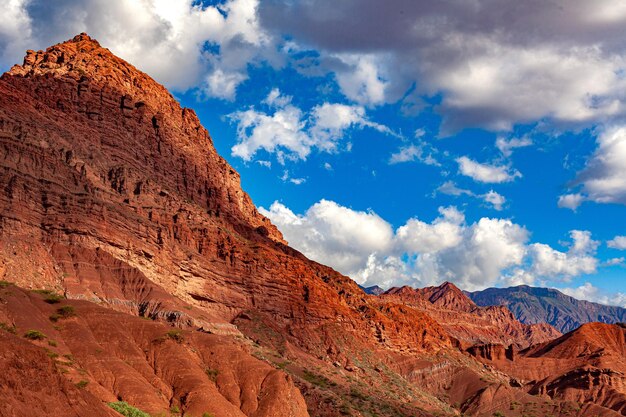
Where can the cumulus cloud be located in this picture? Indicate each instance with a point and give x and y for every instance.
(614, 261)
(485, 172)
(579, 259)
(445, 232)
(15, 31)
(336, 235)
(476, 255)
(495, 199)
(360, 79)
(571, 201)
(290, 133)
(489, 70)
(589, 292)
(603, 180)
(618, 242)
(180, 43)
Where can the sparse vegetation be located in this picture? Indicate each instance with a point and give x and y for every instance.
(62, 313)
(53, 298)
(82, 384)
(176, 335)
(66, 311)
(174, 409)
(127, 410)
(34, 335)
(318, 380)
(498, 414)
(4, 284)
(207, 415)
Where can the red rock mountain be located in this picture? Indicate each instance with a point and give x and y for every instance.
(134, 268)
(468, 323)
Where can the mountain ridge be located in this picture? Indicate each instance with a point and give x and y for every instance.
(533, 305)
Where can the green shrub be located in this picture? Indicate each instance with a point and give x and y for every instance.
(52, 343)
(66, 311)
(127, 410)
(34, 335)
(174, 409)
(4, 284)
(53, 299)
(82, 384)
(207, 415)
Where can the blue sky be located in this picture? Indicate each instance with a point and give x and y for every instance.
(479, 143)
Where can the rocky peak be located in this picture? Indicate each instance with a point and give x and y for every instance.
(447, 296)
(148, 137)
(450, 296)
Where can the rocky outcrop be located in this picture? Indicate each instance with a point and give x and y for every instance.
(106, 356)
(585, 367)
(468, 323)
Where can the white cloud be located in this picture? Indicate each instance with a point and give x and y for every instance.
(486, 173)
(495, 199)
(280, 131)
(614, 261)
(506, 146)
(330, 121)
(488, 252)
(492, 198)
(618, 242)
(167, 39)
(445, 232)
(15, 31)
(450, 188)
(571, 201)
(292, 134)
(490, 247)
(589, 292)
(359, 78)
(287, 178)
(223, 85)
(336, 235)
(579, 259)
(489, 70)
(604, 178)
(414, 152)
